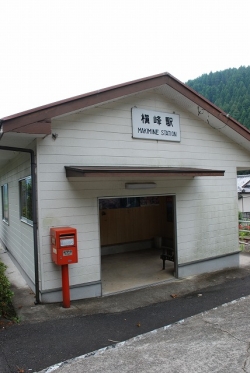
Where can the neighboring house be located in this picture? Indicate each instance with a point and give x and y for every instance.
(123, 165)
(243, 186)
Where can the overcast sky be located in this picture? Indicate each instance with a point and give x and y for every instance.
(56, 49)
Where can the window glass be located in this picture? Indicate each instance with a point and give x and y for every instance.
(5, 203)
(117, 203)
(25, 186)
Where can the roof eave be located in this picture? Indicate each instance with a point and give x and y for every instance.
(44, 114)
(113, 171)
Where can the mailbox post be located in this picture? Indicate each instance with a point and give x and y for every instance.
(64, 252)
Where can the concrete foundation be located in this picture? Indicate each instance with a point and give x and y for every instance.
(209, 265)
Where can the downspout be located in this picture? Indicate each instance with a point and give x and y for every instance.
(34, 211)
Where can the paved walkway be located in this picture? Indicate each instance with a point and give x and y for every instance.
(214, 341)
(24, 298)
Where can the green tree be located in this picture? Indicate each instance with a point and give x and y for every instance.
(229, 90)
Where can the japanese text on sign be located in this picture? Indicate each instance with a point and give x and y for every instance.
(149, 124)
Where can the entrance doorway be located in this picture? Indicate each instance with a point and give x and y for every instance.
(137, 236)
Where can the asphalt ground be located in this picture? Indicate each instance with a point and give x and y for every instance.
(33, 346)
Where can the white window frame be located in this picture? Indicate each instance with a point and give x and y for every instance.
(24, 195)
(5, 203)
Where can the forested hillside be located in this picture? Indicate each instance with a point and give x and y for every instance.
(228, 89)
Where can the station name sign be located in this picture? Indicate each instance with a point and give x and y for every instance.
(155, 125)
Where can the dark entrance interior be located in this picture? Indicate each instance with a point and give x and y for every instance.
(137, 240)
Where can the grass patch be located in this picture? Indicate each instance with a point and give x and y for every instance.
(7, 310)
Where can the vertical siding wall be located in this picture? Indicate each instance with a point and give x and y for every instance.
(244, 203)
(206, 206)
(17, 236)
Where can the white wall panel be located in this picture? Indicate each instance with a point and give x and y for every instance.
(17, 236)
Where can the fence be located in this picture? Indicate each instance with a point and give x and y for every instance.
(244, 235)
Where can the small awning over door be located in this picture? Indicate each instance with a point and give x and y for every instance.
(91, 171)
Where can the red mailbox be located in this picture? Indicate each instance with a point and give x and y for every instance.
(64, 245)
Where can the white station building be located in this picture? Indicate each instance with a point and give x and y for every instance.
(140, 169)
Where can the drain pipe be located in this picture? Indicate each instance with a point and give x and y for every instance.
(34, 211)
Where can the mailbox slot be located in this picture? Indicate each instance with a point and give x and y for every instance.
(67, 241)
